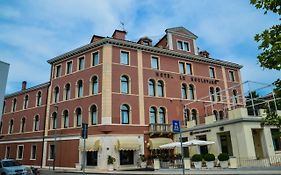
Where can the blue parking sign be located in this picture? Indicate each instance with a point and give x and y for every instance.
(176, 126)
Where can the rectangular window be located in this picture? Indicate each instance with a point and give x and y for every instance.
(81, 65)
(189, 69)
(154, 63)
(52, 153)
(124, 58)
(126, 157)
(276, 140)
(186, 46)
(7, 153)
(181, 68)
(20, 152)
(212, 72)
(58, 71)
(231, 76)
(180, 45)
(33, 152)
(95, 58)
(69, 67)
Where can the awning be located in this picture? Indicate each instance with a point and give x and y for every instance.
(91, 145)
(154, 143)
(127, 144)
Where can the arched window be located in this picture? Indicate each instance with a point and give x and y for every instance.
(36, 123)
(218, 94)
(216, 114)
(22, 127)
(78, 113)
(212, 94)
(25, 102)
(186, 116)
(160, 88)
(184, 91)
(125, 114)
(162, 115)
(151, 87)
(67, 91)
(14, 106)
(39, 99)
(124, 84)
(56, 94)
(65, 119)
(235, 98)
(152, 115)
(221, 113)
(80, 88)
(55, 120)
(95, 85)
(194, 115)
(11, 127)
(191, 92)
(94, 115)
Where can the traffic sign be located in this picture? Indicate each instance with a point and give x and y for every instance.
(176, 126)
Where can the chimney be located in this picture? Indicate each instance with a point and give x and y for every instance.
(145, 41)
(23, 85)
(118, 34)
(204, 53)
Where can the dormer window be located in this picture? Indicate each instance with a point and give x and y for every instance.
(182, 45)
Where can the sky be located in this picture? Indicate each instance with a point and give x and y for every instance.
(32, 32)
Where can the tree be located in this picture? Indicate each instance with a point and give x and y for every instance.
(270, 56)
(269, 39)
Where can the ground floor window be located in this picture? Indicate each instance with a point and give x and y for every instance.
(92, 158)
(276, 139)
(126, 157)
(20, 152)
(204, 148)
(33, 152)
(7, 154)
(52, 153)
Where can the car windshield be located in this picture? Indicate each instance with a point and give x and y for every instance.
(10, 163)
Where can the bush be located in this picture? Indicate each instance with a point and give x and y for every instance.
(110, 160)
(209, 157)
(196, 158)
(142, 158)
(223, 157)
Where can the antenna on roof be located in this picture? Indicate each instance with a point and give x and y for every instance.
(123, 26)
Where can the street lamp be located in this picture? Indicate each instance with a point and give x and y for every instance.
(55, 136)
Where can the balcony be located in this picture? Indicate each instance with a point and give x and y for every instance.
(157, 128)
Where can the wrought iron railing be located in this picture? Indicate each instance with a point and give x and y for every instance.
(160, 128)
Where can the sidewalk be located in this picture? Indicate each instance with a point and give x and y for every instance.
(249, 170)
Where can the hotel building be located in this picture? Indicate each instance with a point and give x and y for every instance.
(128, 93)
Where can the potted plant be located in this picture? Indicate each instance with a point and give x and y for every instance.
(209, 158)
(223, 158)
(143, 161)
(197, 160)
(110, 162)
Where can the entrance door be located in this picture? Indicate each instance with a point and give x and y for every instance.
(92, 158)
(257, 143)
(226, 145)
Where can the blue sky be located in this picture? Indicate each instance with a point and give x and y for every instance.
(31, 32)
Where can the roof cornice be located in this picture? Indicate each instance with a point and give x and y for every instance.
(28, 90)
(130, 44)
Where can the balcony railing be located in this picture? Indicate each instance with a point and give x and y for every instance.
(160, 128)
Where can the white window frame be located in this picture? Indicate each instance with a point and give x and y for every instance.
(213, 68)
(31, 151)
(66, 69)
(78, 60)
(49, 152)
(124, 51)
(158, 62)
(183, 43)
(93, 61)
(6, 151)
(17, 158)
(230, 73)
(58, 71)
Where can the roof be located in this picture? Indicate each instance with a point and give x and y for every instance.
(130, 44)
(28, 89)
(181, 30)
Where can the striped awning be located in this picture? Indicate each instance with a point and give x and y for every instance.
(127, 144)
(91, 145)
(155, 143)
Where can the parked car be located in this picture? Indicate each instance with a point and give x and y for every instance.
(11, 167)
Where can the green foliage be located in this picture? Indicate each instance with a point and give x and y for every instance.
(223, 157)
(196, 158)
(268, 5)
(110, 160)
(272, 119)
(142, 158)
(209, 157)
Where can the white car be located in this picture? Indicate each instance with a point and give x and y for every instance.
(11, 167)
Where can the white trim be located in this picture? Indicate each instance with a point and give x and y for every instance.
(21, 141)
(195, 47)
(62, 138)
(170, 41)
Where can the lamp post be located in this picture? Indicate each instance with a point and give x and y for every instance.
(55, 136)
